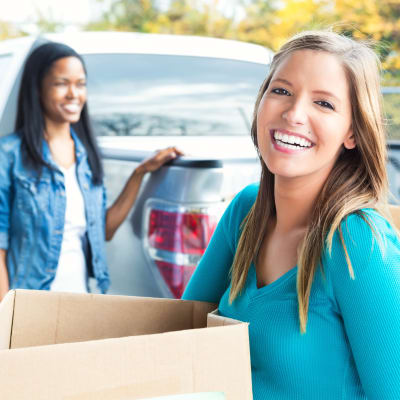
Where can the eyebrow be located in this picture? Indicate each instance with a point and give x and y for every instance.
(324, 92)
(63, 78)
(282, 80)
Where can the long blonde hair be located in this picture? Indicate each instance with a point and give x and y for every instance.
(357, 180)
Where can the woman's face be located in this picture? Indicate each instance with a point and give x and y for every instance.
(63, 91)
(304, 117)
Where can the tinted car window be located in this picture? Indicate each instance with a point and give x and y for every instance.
(138, 95)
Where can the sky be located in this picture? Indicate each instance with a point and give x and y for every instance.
(64, 11)
(74, 12)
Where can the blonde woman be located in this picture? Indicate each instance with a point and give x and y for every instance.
(307, 256)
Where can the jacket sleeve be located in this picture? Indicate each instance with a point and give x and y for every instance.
(211, 277)
(5, 197)
(370, 303)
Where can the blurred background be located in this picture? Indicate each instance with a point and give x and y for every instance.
(268, 23)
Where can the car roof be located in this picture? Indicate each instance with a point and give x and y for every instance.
(146, 43)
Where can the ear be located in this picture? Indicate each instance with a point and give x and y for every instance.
(349, 142)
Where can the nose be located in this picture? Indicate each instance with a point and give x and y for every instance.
(295, 113)
(72, 91)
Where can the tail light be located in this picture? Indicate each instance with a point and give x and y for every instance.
(176, 238)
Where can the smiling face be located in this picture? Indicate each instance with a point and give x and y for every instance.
(304, 117)
(63, 91)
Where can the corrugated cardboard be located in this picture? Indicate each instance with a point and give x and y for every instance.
(79, 347)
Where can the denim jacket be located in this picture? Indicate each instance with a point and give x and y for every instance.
(32, 212)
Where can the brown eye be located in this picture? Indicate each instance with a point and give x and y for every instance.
(280, 91)
(325, 104)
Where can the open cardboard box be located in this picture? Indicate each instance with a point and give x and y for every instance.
(86, 346)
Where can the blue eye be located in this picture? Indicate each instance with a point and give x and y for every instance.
(325, 104)
(280, 91)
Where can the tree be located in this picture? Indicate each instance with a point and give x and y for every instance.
(9, 31)
(272, 23)
(189, 17)
(127, 15)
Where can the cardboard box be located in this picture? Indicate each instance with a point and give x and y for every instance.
(85, 346)
(194, 396)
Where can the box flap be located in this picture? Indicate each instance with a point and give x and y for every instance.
(43, 317)
(198, 360)
(200, 313)
(6, 319)
(214, 319)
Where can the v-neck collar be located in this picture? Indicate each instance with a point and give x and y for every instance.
(271, 287)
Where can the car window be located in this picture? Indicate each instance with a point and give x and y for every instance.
(145, 94)
(391, 97)
(5, 62)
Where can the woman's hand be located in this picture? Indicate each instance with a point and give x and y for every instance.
(158, 160)
(123, 204)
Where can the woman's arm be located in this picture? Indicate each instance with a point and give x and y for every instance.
(4, 285)
(370, 303)
(119, 210)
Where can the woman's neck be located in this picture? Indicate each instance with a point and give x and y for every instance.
(294, 202)
(61, 144)
(56, 131)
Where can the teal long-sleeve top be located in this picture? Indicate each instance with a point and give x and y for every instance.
(351, 349)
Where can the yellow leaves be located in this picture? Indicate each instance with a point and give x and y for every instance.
(8, 31)
(290, 17)
(362, 19)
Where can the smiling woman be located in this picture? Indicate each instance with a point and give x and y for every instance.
(309, 256)
(63, 92)
(53, 215)
(304, 119)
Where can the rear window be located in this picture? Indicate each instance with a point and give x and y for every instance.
(144, 94)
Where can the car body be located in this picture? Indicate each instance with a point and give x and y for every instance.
(147, 92)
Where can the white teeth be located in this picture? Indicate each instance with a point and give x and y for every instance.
(291, 141)
(72, 108)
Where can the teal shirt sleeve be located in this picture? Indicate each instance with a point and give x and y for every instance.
(370, 303)
(211, 277)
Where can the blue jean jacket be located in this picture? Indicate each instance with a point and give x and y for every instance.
(32, 212)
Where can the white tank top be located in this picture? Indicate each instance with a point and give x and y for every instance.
(71, 275)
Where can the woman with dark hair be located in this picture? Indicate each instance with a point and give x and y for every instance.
(53, 216)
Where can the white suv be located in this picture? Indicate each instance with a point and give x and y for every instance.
(151, 91)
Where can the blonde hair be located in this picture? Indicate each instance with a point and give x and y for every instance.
(357, 180)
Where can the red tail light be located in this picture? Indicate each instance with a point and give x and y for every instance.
(176, 276)
(180, 232)
(176, 239)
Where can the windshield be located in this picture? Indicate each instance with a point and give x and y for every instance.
(145, 94)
